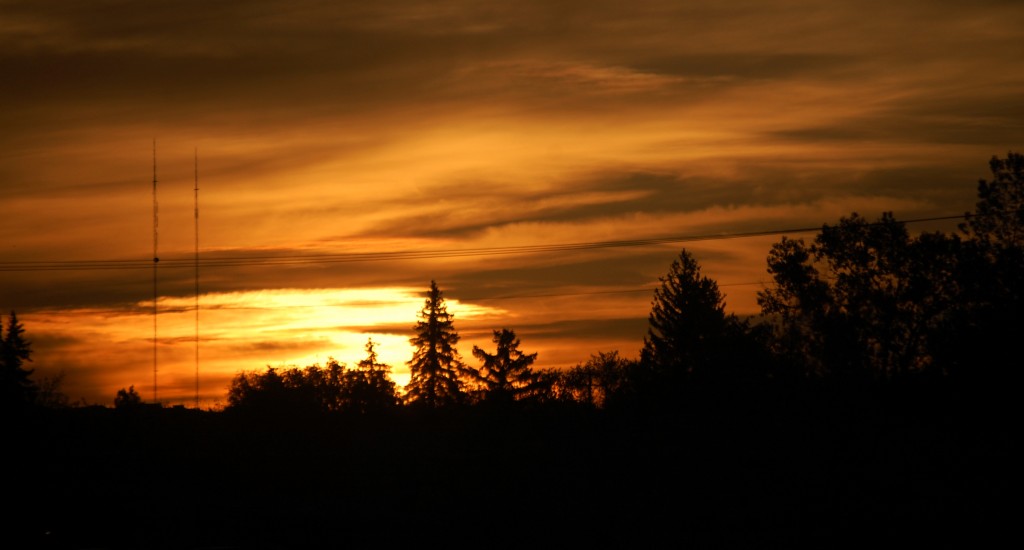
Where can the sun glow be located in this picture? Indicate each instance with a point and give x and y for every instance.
(238, 331)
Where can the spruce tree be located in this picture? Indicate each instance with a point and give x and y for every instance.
(369, 388)
(689, 329)
(15, 350)
(436, 367)
(506, 374)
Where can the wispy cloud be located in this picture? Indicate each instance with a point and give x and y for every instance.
(352, 127)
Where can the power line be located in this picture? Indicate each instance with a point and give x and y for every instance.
(594, 292)
(311, 259)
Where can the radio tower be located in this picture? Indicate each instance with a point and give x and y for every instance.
(196, 196)
(156, 260)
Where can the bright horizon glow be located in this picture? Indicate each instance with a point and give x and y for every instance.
(240, 331)
(330, 127)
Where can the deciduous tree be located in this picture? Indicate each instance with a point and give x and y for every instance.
(983, 338)
(606, 380)
(864, 299)
(127, 399)
(998, 219)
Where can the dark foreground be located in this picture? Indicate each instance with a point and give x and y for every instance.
(811, 468)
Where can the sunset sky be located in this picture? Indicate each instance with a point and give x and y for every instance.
(333, 128)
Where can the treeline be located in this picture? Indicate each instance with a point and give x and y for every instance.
(813, 422)
(864, 301)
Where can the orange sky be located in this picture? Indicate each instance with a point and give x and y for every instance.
(394, 127)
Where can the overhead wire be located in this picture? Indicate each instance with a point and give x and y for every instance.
(310, 259)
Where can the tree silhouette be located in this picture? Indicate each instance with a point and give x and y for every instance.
(982, 337)
(436, 366)
(505, 376)
(291, 391)
(995, 240)
(606, 380)
(127, 399)
(689, 333)
(368, 387)
(998, 219)
(328, 384)
(17, 386)
(49, 392)
(864, 298)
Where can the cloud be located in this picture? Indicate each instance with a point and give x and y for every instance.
(354, 127)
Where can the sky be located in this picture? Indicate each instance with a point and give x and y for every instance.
(349, 153)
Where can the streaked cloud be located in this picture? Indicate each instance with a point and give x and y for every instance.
(353, 127)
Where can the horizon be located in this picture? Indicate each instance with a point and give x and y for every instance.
(399, 130)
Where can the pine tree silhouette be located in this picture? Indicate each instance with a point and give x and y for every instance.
(436, 366)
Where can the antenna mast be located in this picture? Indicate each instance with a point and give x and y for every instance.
(196, 190)
(156, 260)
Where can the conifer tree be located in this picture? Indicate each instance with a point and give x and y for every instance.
(368, 387)
(506, 375)
(15, 350)
(687, 320)
(436, 367)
